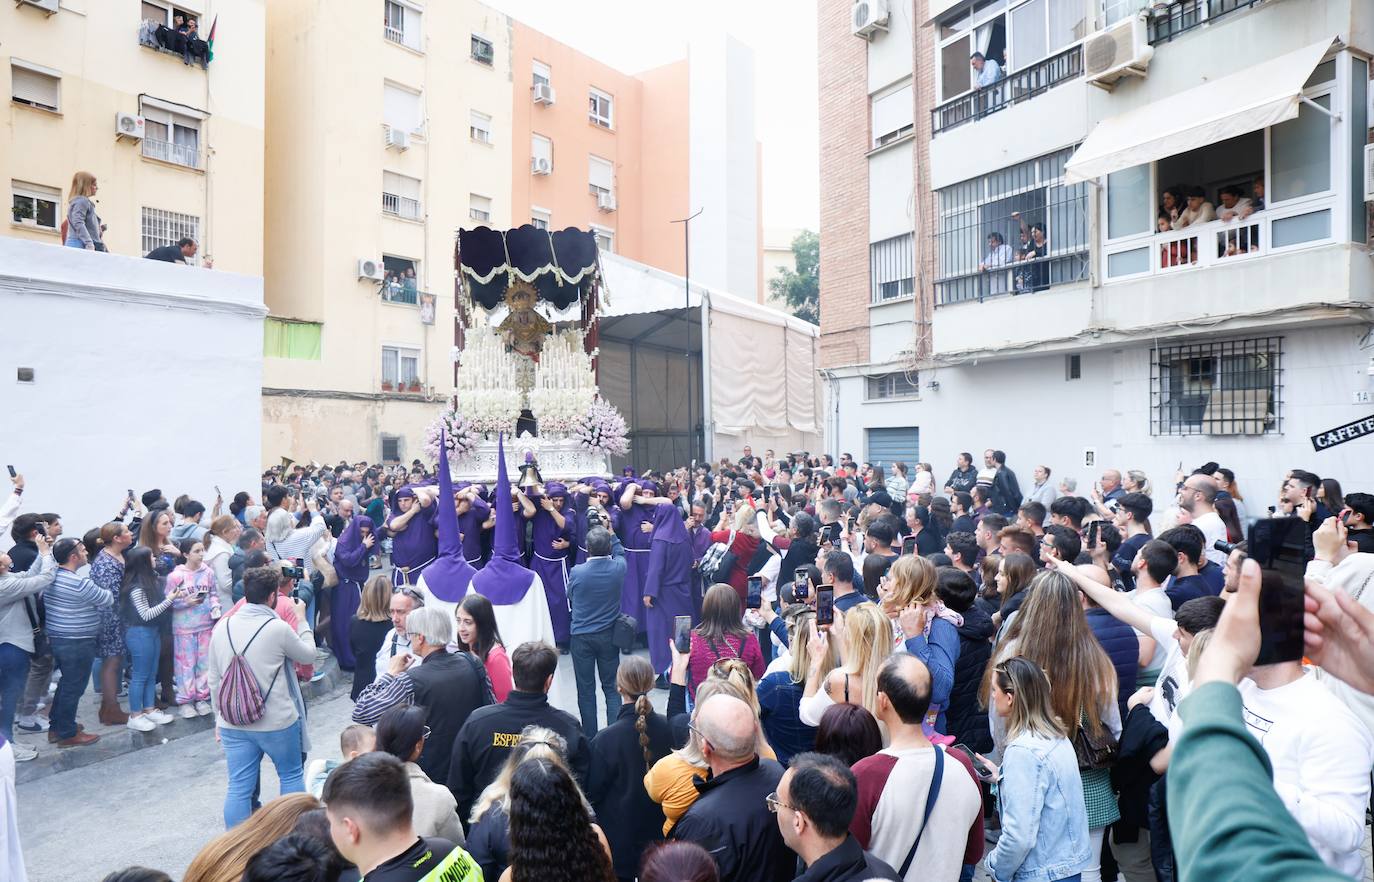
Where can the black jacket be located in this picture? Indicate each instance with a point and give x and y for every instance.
(847, 861)
(801, 553)
(928, 542)
(964, 719)
(1006, 492)
(731, 821)
(1118, 640)
(963, 480)
(1142, 737)
(486, 738)
(450, 686)
(615, 786)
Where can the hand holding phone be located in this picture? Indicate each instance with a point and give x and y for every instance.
(754, 598)
(13, 473)
(825, 605)
(682, 633)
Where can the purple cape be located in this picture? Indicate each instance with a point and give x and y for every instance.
(504, 580)
(448, 577)
(668, 580)
(350, 555)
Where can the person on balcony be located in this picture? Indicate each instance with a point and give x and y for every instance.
(84, 229)
(1233, 204)
(1256, 203)
(181, 252)
(195, 46)
(1199, 210)
(999, 254)
(1172, 203)
(985, 70)
(408, 290)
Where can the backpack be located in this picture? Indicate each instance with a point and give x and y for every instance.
(718, 561)
(241, 699)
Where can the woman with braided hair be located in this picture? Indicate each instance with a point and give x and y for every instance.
(621, 754)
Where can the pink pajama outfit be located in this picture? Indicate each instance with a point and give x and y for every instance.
(193, 620)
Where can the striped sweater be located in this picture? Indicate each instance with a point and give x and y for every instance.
(73, 603)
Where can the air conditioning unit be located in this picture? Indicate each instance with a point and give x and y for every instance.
(543, 93)
(540, 166)
(1369, 173)
(48, 6)
(370, 268)
(1121, 50)
(869, 17)
(128, 125)
(397, 139)
(605, 201)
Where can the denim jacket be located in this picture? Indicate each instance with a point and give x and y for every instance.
(1044, 821)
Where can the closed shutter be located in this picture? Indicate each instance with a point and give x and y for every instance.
(401, 108)
(600, 173)
(887, 446)
(31, 87)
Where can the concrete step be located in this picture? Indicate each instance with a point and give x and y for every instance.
(119, 740)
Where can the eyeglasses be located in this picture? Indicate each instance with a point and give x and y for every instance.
(773, 803)
(425, 734)
(704, 740)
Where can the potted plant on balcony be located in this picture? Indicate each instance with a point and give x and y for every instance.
(414, 386)
(22, 211)
(386, 386)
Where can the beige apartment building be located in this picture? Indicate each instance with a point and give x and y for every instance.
(177, 150)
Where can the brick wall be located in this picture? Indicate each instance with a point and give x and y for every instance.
(843, 72)
(926, 220)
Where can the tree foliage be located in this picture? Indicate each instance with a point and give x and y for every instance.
(801, 288)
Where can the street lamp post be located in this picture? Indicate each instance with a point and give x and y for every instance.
(686, 311)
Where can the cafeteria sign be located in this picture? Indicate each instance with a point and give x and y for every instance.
(1341, 434)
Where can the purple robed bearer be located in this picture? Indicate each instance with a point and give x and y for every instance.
(551, 546)
(635, 539)
(667, 579)
(350, 562)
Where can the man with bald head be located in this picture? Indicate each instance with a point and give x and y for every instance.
(896, 783)
(732, 817)
(1117, 638)
(1111, 486)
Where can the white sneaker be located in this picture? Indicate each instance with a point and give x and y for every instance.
(141, 723)
(159, 717)
(188, 712)
(204, 709)
(23, 752)
(32, 723)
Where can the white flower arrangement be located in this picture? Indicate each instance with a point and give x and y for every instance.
(458, 435)
(602, 430)
(491, 410)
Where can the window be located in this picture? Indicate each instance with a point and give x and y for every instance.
(164, 13)
(898, 385)
(1225, 388)
(34, 205)
(1041, 28)
(600, 176)
(401, 281)
(400, 366)
(402, 24)
(541, 148)
(479, 127)
(400, 196)
(34, 85)
(984, 31)
(283, 338)
(479, 207)
(890, 266)
(1073, 367)
(482, 51)
(541, 218)
(602, 109)
(543, 75)
(1300, 153)
(402, 108)
(167, 228)
(391, 448)
(605, 238)
(1018, 229)
(1129, 202)
(893, 116)
(171, 132)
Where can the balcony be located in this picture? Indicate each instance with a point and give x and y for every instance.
(395, 35)
(394, 291)
(401, 206)
(1017, 87)
(178, 154)
(1181, 17)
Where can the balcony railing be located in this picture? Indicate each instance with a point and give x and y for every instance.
(400, 206)
(1022, 85)
(181, 154)
(1020, 277)
(1184, 15)
(395, 35)
(1219, 243)
(399, 292)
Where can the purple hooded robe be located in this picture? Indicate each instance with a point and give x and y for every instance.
(667, 579)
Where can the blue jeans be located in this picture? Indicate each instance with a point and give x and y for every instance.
(14, 676)
(145, 644)
(243, 752)
(73, 659)
(73, 242)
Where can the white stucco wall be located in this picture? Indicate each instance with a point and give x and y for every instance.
(146, 374)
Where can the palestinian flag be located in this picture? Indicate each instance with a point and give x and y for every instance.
(210, 42)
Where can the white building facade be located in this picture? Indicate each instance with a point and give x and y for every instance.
(1101, 338)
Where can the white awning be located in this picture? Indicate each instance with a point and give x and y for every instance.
(1245, 101)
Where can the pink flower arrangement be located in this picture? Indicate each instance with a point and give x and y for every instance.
(602, 429)
(461, 439)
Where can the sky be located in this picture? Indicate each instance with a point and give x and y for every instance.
(635, 35)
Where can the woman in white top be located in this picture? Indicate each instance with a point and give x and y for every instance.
(219, 547)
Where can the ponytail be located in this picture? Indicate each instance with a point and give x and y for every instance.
(643, 709)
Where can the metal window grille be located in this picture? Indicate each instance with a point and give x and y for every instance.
(1009, 203)
(891, 268)
(1233, 387)
(167, 228)
(482, 51)
(391, 448)
(899, 385)
(1022, 85)
(1183, 16)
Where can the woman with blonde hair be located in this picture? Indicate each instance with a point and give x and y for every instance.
(489, 834)
(923, 626)
(863, 641)
(780, 693)
(84, 229)
(226, 856)
(368, 631)
(219, 547)
(1052, 631)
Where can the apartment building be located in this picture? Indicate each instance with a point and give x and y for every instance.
(373, 165)
(1033, 300)
(177, 149)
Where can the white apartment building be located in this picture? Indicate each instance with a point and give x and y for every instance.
(1104, 339)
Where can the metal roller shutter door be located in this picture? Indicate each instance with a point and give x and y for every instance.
(887, 446)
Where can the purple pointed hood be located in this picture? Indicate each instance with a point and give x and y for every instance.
(668, 525)
(448, 577)
(504, 580)
(350, 555)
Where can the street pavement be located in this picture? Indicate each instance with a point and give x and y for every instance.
(157, 806)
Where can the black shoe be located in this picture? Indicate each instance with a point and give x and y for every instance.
(562, 649)
(661, 682)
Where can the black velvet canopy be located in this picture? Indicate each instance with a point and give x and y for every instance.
(561, 265)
